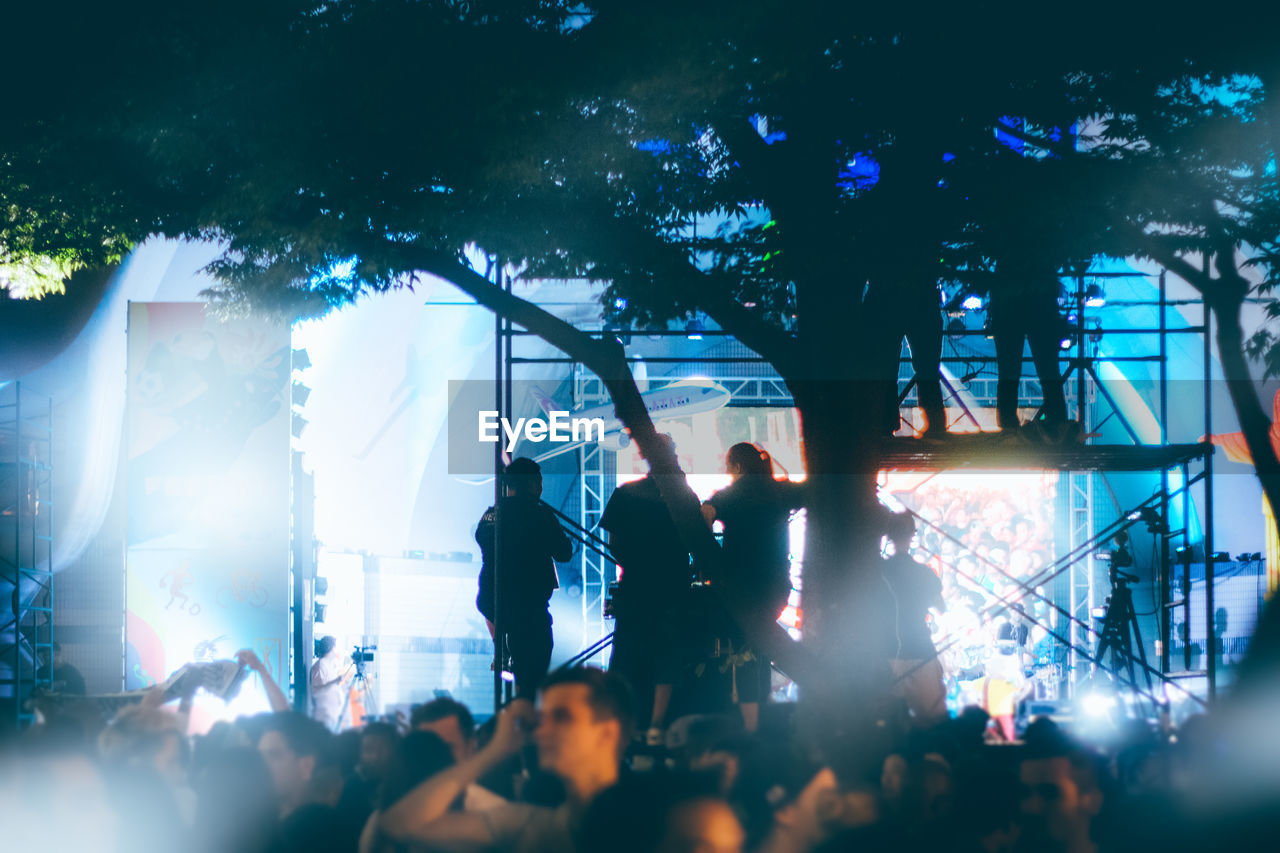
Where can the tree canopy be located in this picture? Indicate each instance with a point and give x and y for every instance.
(755, 160)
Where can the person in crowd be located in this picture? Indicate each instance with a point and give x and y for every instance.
(661, 813)
(297, 750)
(581, 730)
(362, 787)
(328, 681)
(64, 677)
(235, 782)
(421, 755)
(453, 723)
(755, 510)
(1062, 793)
(651, 596)
(144, 755)
(914, 589)
(910, 308)
(1003, 686)
(524, 538)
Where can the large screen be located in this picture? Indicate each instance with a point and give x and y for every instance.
(982, 532)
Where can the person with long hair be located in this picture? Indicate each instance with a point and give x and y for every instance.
(755, 510)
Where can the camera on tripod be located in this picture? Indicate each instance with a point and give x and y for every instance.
(362, 654)
(1119, 557)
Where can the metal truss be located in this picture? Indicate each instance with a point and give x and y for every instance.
(26, 545)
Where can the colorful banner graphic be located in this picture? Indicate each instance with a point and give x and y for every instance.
(208, 472)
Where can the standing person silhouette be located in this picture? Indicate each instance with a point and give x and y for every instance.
(529, 541)
(1024, 306)
(755, 510)
(914, 589)
(652, 593)
(909, 308)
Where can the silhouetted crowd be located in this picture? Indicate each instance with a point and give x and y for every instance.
(571, 773)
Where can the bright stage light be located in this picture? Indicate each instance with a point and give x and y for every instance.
(972, 303)
(1097, 704)
(1094, 297)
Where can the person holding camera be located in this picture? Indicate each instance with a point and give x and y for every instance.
(327, 676)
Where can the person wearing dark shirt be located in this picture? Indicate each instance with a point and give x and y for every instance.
(651, 594)
(1024, 306)
(755, 511)
(914, 589)
(66, 679)
(529, 541)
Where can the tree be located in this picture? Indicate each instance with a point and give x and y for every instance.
(759, 162)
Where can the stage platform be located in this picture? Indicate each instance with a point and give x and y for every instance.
(984, 451)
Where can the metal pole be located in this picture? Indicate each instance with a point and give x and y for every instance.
(17, 554)
(508, 342)
(1211, 657)
(498, 656)
(1162, 642)
(1080, 372)
(1186, 568)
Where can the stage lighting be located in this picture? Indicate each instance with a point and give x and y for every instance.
(1066, 341)
(299, 424)
(1220, 556)
(300, 394)
(318, 611)
(1097, 704)
(695, 328)
(1094, 297)
(321, 586)
(972, 303)
(301, 361)
(620, 304)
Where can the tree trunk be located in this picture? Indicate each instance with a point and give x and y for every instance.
(842, 528)
(1254, 423)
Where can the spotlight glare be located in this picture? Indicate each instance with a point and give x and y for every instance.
(1097, 704)
(972, 303)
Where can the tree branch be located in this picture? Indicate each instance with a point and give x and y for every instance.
(606, 360)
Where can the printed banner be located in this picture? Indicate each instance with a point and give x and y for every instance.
(208, 506)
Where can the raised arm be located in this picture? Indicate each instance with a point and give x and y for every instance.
(423, 814)
(275, 696)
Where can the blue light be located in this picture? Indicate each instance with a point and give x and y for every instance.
(972, 303)
(620, 304)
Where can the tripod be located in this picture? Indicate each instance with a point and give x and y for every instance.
(360, 683)
(1117, 624)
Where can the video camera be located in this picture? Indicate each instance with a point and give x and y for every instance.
(362, 654)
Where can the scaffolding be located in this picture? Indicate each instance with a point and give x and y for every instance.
(26, 546)
(1077, 589)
